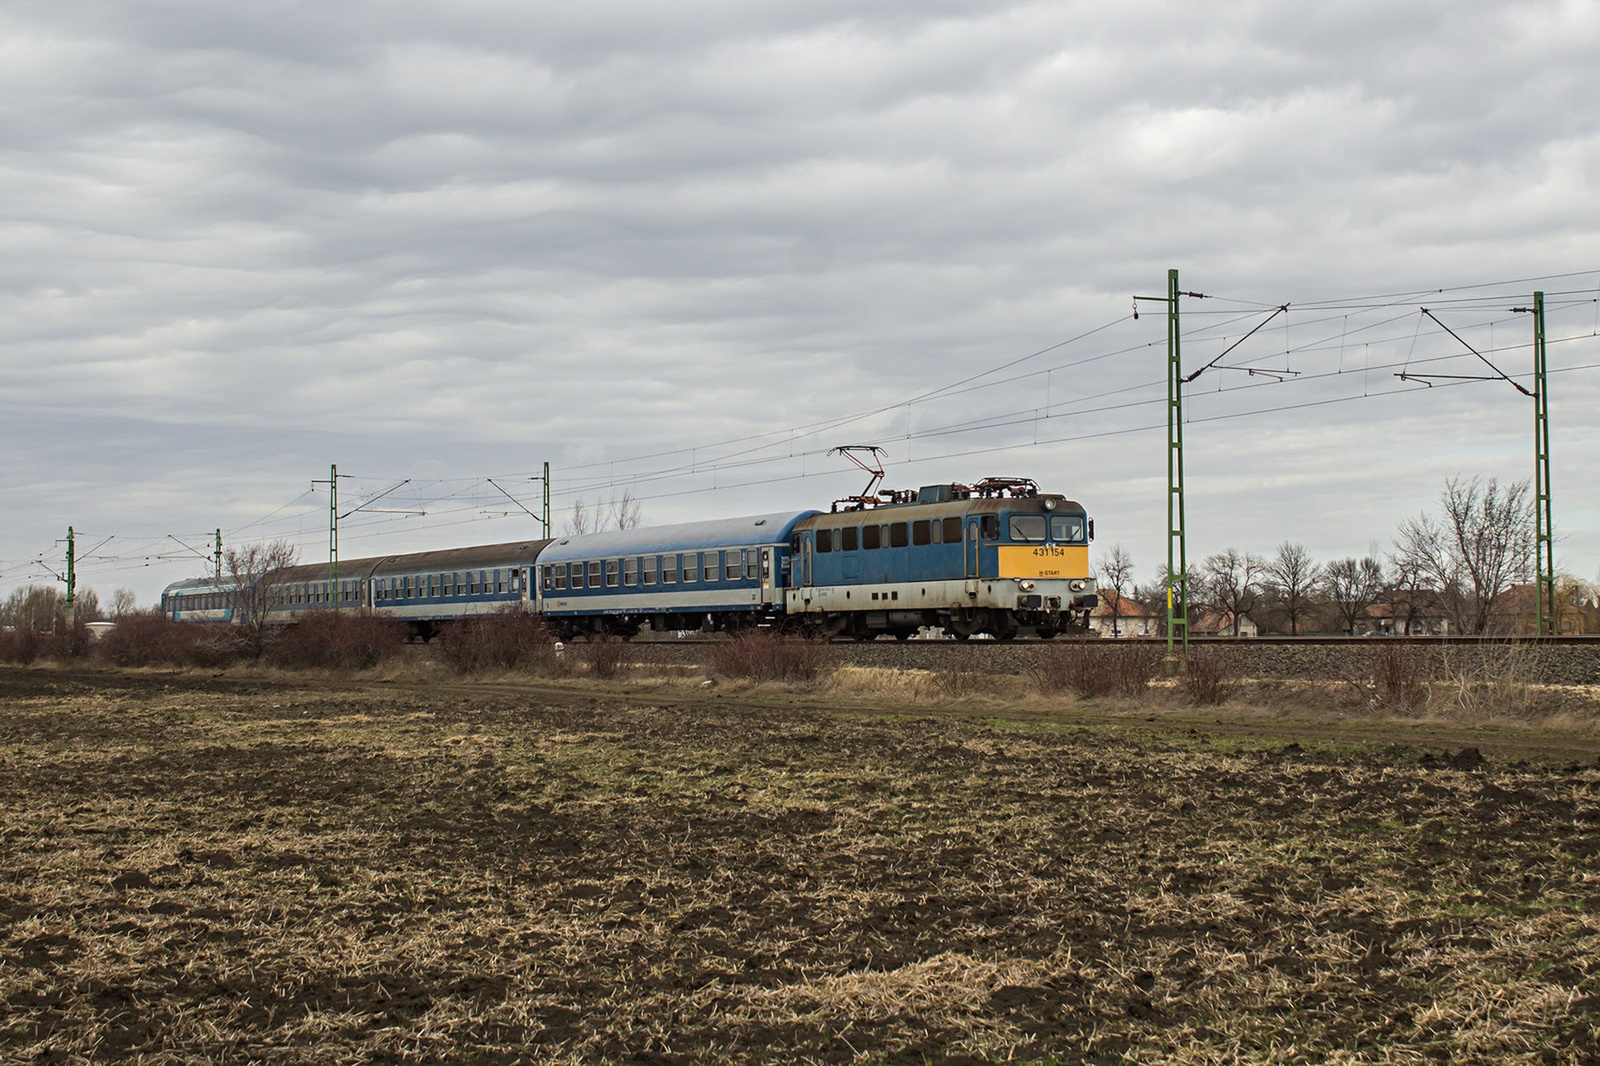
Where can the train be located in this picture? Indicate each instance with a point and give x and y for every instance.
(997, 558)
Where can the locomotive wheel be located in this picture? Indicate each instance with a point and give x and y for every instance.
(961, 638)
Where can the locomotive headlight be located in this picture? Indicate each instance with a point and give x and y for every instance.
(1049, 505)
(1079, 585)
(1025, 585)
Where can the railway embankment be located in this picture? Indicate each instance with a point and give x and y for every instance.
(1554, 663)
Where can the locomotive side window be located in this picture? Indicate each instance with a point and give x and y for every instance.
(669, 569)
(1066, 529)
(852, 538)
(897, 535)
(1027, 527)
(920, 534)
(869, 537)
(952, 530)
(824, 541)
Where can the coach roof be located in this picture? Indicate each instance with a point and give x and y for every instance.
(688, 536)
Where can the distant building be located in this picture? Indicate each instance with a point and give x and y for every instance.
(1133, 619)
(1220, 624)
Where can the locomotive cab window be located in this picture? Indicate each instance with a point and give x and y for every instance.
(990, 527)
(1066, 529)
(1027, 527)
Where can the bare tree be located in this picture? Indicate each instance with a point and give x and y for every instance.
(38, 608)
(86, 606)
(1351, 586)
(124, 602)
(581, 520)
(1475, 551)
(1230, 583)
(249, 574)
(1291, 578)
(619, 512)
(625, 511)
(1116, 576)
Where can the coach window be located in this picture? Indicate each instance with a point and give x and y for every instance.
(647, 570)
(952, 531)
(499, 580)
(577, 575)
(611, 573)
(691, 567)
(669, 569)
(920, 534)
(594, 573)
(752, 557)
(560, 570)
(1027, 527)
(735, 564)
(990, 527)
(850, 538)
(897, 535)
(630, 571)
(711, 566)
(1066, 529)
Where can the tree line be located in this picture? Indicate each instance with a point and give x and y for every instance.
(1456, 569)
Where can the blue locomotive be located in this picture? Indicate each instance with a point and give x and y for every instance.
(997, 558)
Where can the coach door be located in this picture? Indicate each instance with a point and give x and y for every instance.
(970, 552)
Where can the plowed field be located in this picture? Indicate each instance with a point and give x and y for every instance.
(215, 869)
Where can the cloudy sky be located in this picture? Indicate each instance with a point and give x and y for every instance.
(684, 250)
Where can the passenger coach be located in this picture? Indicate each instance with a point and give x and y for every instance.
(698, 575)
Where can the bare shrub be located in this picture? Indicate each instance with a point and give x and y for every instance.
(763, 655)
(337, 640)
(24, 644)
(603, 654)
(962, 673)
(508, 639)
(1210, 677)
(148, 638)
(1092, 669)
(1491, 680)
(1394, 675)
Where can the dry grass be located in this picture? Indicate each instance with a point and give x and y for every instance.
(204, 869)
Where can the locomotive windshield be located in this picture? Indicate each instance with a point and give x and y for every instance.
(1031, 529)
(1066, 529)
(1027, 527)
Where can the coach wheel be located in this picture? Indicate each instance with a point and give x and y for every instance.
(903, 634)
(961, 637)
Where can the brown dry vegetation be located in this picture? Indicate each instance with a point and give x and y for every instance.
(199, 869)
